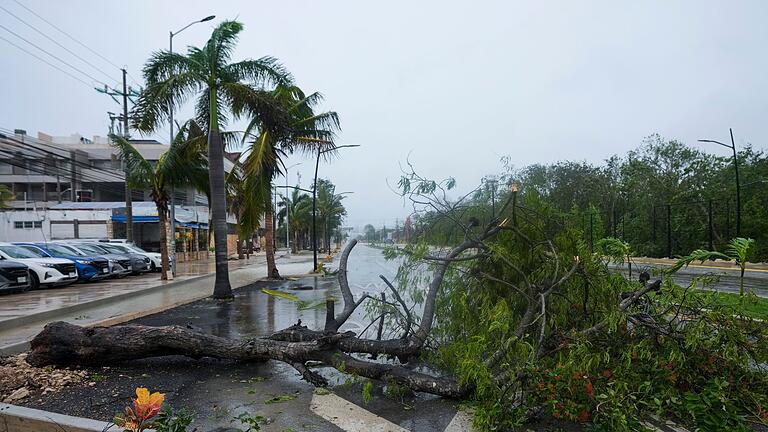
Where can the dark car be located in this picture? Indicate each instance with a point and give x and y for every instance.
(14, 277)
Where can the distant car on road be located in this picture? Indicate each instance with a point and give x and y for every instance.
(89, 268)
(14, 277)
(44, 271)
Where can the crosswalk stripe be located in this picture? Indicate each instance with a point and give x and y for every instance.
(462, 422)
(349, 416)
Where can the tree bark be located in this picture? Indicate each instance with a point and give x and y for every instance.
(272, 271)
(162, 214)
(222, 288)
(66, 344)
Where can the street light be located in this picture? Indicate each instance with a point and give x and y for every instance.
(320, 151)
(170, 120)
(738, 184)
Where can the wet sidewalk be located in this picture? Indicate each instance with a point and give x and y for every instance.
(110, 302)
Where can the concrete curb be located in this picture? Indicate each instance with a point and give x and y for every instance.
(21, 419)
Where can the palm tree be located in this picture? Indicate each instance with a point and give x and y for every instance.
(330, 209)
(283, 122)
(245, 202)
(220, 87)
(738, 250)
(181, 165)
(298, 208)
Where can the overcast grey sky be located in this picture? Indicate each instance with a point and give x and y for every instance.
(455, 84)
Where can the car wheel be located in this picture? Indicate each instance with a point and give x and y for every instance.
(34, 282)
(152, 267)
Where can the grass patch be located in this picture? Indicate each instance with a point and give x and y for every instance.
(751, 305)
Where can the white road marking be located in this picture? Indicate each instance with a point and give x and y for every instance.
(462, 422)
(349, 416)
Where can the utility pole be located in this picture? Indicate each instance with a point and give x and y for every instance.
(128, 197)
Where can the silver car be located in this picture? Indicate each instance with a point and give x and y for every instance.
(119, 264)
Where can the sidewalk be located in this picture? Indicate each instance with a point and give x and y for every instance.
(22, 316)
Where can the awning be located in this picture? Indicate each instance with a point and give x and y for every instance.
(156, 219)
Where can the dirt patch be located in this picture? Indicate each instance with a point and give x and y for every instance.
(20, 381)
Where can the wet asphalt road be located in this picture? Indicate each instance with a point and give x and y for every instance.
(218, 391)
(727, 280)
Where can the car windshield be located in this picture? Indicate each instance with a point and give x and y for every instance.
(35, 250)
(92, 249)
(17, 252)
(113, 248)
(136, 249)
(63, 251)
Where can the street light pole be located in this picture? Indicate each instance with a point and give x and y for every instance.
(738, 183)
(171, 34)
(314, 199)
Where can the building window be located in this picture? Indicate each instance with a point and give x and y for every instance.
(27, 224)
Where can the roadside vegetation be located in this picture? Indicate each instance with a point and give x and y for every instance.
(540, 326)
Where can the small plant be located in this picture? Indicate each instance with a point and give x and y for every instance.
(252, 423)
(367, 392)
(140, 416)
(738, 250)
(170, 420)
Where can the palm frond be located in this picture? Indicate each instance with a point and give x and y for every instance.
(697, 255)
(139, 170)
(739, 247)
(262, 72)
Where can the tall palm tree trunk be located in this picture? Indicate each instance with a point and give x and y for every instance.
(162, 213)
(270, 245)
(295, 245)
(221, 289)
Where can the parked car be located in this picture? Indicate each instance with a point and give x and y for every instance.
(154, 257)
(119, 265)
(89, 268)
(44, 271)
(139, 263)
(14, 277)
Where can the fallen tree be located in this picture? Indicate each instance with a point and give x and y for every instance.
(65, 344)
(518, 314)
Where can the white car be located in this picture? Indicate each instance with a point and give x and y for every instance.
(154, 257)
(43, 272)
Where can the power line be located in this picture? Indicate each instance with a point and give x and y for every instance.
(48, 63)
(66, 34)
(57, 43)
(52, 55)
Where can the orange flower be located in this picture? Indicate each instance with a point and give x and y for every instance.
(147, 405)
(607, 373)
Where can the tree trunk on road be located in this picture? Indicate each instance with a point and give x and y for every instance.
(269, 235)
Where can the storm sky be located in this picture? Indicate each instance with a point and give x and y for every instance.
(455, 85)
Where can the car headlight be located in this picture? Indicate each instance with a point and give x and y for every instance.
(88, 262)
